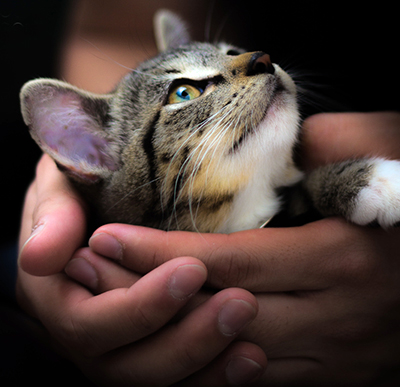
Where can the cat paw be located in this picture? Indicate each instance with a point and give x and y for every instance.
(380, 200)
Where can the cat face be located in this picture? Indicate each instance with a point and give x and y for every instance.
(181, 141)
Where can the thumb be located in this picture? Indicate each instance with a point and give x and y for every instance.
(53, 222)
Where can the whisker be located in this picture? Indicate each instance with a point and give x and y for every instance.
(192, 164)
(222, 26)
(194, 132)
(207, 27)
(108, 57)
(129, 194)
(200, 159)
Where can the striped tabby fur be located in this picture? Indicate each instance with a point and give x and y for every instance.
(198, 138)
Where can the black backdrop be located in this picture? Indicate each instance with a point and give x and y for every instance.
(345, 53)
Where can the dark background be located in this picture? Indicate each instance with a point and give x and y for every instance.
(343, 54)
(30, 33)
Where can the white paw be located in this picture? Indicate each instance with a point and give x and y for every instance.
(380, 200)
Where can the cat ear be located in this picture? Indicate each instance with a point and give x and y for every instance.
(69, 124)
(170, 31)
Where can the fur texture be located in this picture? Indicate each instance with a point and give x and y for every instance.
(200, 138)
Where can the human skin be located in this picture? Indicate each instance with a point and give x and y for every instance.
(98, 332)
(327, 292)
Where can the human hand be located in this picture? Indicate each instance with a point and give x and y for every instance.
(328, 309)
(328, 291)
(329, 138)
(53, 222)
(123, 336)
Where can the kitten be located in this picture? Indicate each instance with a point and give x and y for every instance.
(200, 138)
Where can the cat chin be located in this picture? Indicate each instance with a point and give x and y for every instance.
(278, 130)
(280, 127)
(286, 80)
(283, 102)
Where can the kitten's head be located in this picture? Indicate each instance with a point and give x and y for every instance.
(179, 139)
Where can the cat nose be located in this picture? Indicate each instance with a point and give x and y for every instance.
(260, 63)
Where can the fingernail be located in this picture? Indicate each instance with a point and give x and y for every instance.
(241, 371)
(106, 245)
(82, 271)
(35, 232)
(234, 316)
(186, 280)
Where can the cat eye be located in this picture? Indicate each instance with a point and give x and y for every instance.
(183, 93)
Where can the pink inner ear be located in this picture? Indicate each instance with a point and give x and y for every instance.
(78, 145)
(61, 124)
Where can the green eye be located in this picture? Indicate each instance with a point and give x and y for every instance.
(184, 93)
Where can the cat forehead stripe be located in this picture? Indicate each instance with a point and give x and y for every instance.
(197, 74)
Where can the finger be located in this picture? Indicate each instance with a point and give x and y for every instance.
(287, 327)
(301, 334)
(123, 316)
(53, 223)
(98, 273)
(273, 260)
(333, 137)
(242, 363)
(101, 275)
(188, 346)
(93, 325)
(169, 355)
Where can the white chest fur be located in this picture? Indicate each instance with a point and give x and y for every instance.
(269, 152)
(258, 201)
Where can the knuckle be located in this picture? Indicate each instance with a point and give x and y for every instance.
(77, 339)
(355, 330)
(352, 258)
(235, 264)
(360, 265)
(190, 357)
(142, 322)
(232, 269)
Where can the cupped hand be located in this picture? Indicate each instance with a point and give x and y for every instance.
(123, 336)
(318, 304)
(129, 334)
(328, 291)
